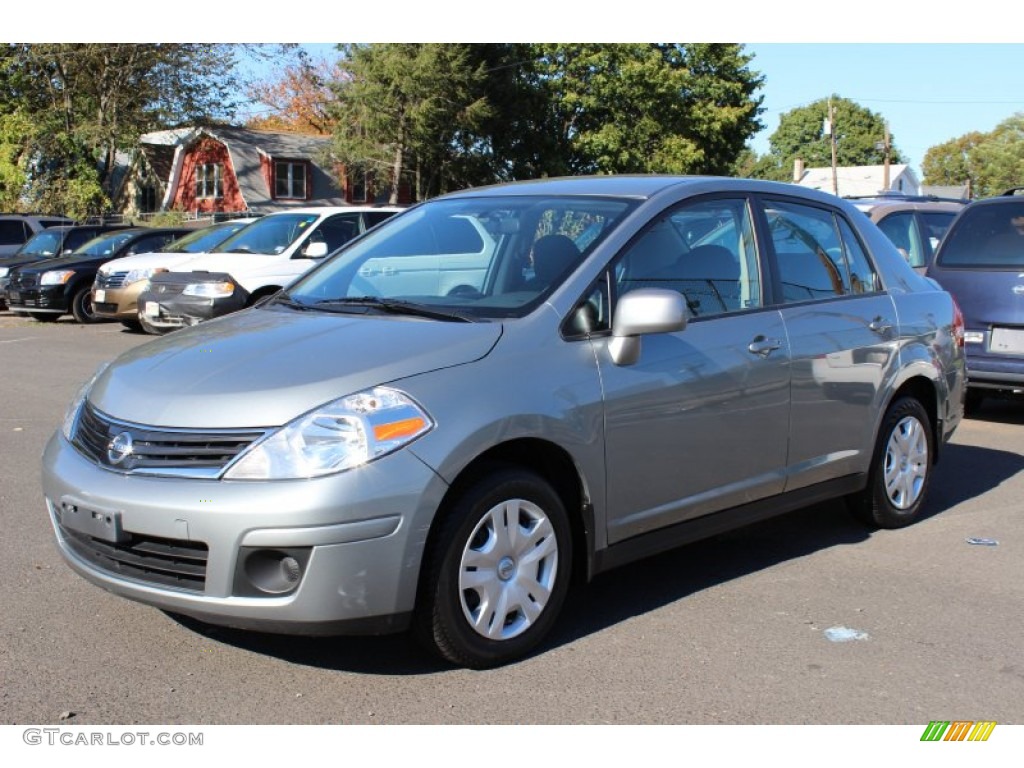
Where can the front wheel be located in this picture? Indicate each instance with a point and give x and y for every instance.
(497, 572)
(82, 308)
(900, 469)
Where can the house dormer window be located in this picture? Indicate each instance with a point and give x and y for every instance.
(291, 179)
(210, 180)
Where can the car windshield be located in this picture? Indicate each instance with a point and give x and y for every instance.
(42, 244)
(270, 235)
(206, 239)
(986, 236)
(481, 257)
(106, 244)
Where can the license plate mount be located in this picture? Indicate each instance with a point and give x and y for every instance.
(99, 524)
(1007, 341)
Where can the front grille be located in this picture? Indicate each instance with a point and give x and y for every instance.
(168, 562)
(21, 282)
(111, 280)
(157, 450)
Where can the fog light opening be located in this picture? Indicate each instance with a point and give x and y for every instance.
(273, 572)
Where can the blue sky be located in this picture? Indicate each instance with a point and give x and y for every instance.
(929, 93)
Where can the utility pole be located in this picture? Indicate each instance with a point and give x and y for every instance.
(887, 146)
(831, 124)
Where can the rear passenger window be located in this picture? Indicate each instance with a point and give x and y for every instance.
(863, 278)
(808, 252)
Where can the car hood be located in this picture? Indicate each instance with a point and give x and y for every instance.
(71, 261)
(264, 367)
(231, 262)
(146, 261)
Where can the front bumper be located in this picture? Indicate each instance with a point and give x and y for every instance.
(168, 311)
(50, 298)
(360, 535)
(118, 303)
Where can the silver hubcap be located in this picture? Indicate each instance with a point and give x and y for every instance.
(507, 570)
(906, 463)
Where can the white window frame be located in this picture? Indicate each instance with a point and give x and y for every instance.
(289, 176)
(202, 181)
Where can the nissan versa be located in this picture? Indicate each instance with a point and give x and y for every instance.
(504, 389)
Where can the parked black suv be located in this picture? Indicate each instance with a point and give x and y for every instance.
(48, 243)
(53, 287)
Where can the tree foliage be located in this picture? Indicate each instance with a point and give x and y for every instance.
(801, 134)
(990, 162)
(403, 107)
(298, 98)
(474, 114)
(86, 101)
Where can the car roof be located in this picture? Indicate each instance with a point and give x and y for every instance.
(332, 209)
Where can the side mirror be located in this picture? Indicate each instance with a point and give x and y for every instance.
(315, 250)
(640, 312)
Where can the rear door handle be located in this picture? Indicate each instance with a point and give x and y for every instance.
(763, 346)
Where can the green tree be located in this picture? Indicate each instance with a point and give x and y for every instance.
(623, 108)
(86, 101)
(801, 134)
(404, 107)
(990, 162)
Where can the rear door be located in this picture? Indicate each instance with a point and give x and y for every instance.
(842, 331)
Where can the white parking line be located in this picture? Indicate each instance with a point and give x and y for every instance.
(11, 341)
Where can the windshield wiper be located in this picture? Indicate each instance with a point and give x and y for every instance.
(395, 307)
(285, 300)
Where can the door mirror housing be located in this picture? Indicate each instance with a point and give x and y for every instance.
(315, 250)
(641, 312)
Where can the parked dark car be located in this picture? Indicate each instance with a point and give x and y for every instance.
(981, 262)
(17, 228)
(915, 224)
(48, 243)
(53, 287)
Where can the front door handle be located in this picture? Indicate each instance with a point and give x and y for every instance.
(763, 346)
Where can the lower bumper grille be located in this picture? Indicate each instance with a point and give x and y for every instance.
(167, 562)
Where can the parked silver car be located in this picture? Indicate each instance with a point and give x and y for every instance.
(503, 389)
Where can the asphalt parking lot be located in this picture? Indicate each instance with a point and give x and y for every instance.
(743, 628)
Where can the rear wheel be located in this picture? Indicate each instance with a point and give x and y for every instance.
(497, 572)
(900, 469)
(132, 325)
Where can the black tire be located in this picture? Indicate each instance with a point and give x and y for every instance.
(470, 558)
(972, 401)
(81, 306)
(132, 325)
(44, 317)
(901, 468)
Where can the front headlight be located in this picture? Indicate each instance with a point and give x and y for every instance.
(339, 435)
(209, 290)
(141, 274)
(56, 276)
(4, 271)
(67, 427)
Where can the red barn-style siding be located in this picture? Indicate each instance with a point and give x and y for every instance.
(207, 151)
